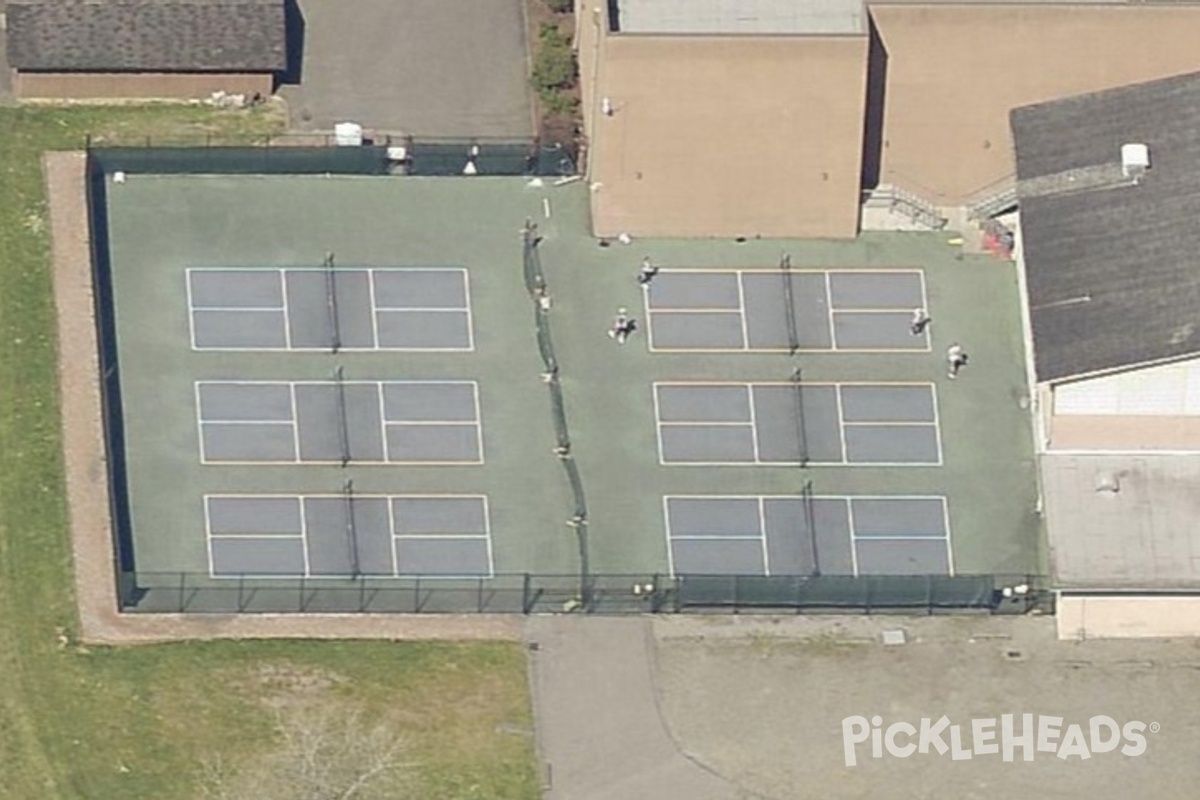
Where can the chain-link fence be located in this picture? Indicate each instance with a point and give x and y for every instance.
(306, 154)
(527, 593)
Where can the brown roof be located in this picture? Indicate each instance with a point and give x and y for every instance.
(147, 35)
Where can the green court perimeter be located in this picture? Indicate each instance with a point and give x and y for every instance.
(162, 226)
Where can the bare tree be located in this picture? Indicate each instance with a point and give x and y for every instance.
(322, 755)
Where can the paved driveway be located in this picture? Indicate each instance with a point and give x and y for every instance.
(599, 729)
(454, 68)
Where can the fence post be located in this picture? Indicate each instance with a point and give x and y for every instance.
(303, 605)
(362, 597)
(526, 605)
(182, 592)
(479, 598)
(241, 586)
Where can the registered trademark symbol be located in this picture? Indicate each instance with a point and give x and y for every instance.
(1155, 727)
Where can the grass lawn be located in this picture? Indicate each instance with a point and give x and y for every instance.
(138, 722)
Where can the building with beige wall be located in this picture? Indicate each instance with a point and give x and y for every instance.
(173, 49)
(1109, 190)
(774, 121)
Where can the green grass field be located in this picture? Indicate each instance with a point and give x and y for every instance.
(139, 722)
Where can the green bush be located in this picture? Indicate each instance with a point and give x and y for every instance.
(561, 6)
(556, 102)
(554, 64)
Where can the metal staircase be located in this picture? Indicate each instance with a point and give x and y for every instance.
(993, 205)
(903, 202)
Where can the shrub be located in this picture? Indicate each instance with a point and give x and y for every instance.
(554, 64)
(561, 6)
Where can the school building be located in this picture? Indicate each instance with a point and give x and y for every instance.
(1076, 121)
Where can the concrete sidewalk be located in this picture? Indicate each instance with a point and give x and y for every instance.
(599, 730)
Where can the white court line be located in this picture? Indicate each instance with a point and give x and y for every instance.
(487, 529)
(753, 420)
(869, 384)
(699, 310)
(287, 313)
(762, 532)
(899, 538)
(374, 307)
(937, 422)
(765, 350)
(658, 424)
(441, 537)
(850, 531)
(256, 536)
(187, 281)
(703, 424)
(387, 448)
(304, 531)
(245, 422)
(841, 416)
(229, 309)
(670, 539)
(208, 540)
(478, 420)
(829, 313)
(423, 310)
(949, 544)
(718, 537)
(391, 506)
(794, 496)
(295, 422)
(889, 423)
(742, 312)
(466, 277)
(199, 420)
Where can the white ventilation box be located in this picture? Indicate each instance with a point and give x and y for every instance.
(348, 134)
(1135, 160)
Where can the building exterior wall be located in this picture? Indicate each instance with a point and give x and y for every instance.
(1131, 434)
(722, 136)
(955, 71)
(145, 85)
(1127, 616)
(1154, 408)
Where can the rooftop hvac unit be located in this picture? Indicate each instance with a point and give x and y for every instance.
(348, 134)
(1135, 160)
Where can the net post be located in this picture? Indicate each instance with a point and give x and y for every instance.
(335, 327)
(526, 603)
(810, 523)
(789, 301)
(801, 432)
(351, 529)
(339, 379)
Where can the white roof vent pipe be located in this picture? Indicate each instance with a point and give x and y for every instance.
(1135, 160)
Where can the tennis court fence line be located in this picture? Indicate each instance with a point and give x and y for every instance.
(303, 154)
(529, 593)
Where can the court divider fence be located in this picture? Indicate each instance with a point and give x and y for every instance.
(526, 593)
(535, 284)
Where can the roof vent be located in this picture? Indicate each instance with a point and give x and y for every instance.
(1135, 160)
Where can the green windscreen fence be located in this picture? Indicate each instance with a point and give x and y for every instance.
(838, 592)
(421, 158)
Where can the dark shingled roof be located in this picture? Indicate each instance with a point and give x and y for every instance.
(147, 35)
(1112, 267)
